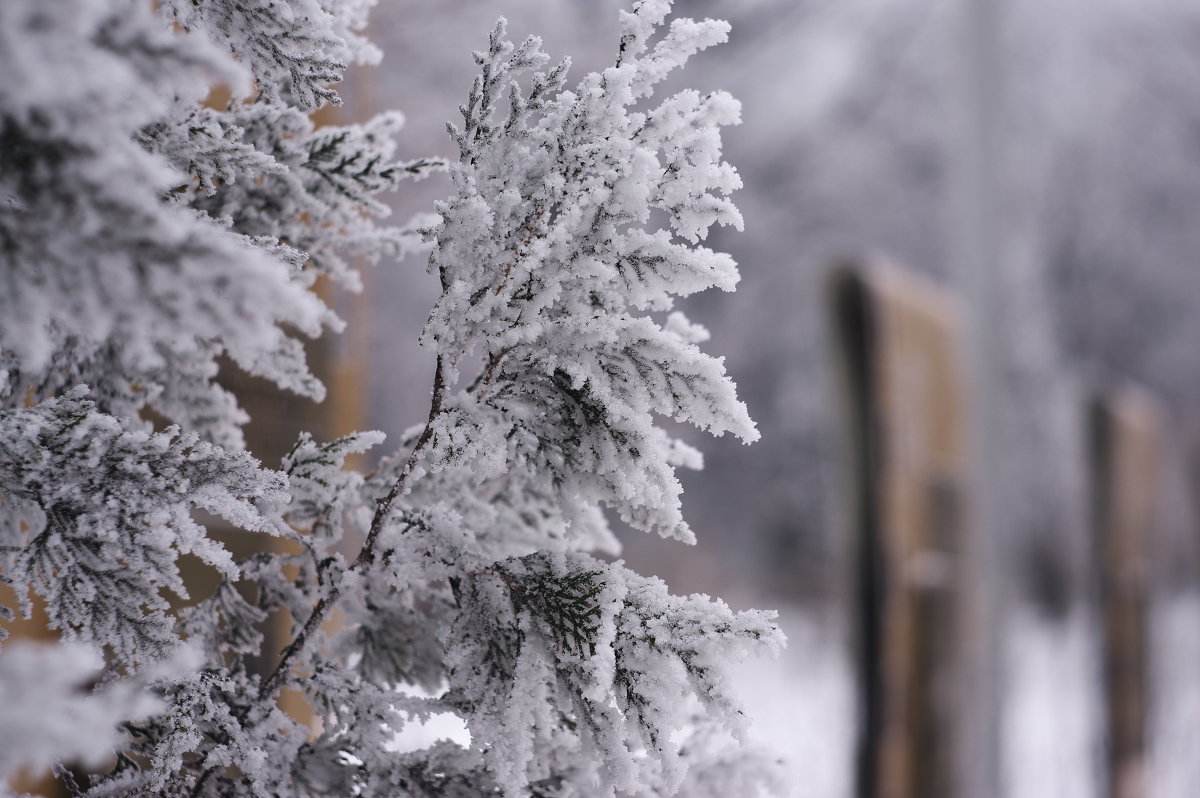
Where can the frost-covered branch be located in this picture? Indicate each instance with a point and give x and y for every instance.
(367, 554)
(95, 515)
(145, 235)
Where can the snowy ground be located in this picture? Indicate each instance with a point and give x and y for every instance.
(1051, 742)
(803, 705)
(1174, 770)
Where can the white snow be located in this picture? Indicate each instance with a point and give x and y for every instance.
(803, 705)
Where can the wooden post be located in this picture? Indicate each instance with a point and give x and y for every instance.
(1125, 453)
(903, 407)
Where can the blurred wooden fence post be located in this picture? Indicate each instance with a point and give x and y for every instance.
(1124, 453)
(902, 402)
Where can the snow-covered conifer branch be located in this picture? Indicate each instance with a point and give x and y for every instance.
(319, 192)
(293, 49)
(544, 637)
(98, 270)
(109, 275)
(146, 235)
(544, 254)
(89, 248)
(96, 513)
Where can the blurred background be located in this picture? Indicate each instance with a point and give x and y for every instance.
(1031, 174)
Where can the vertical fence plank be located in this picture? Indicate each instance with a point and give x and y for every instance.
(1125, 452)
(902, 403)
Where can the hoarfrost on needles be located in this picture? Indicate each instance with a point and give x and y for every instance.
(144, 236)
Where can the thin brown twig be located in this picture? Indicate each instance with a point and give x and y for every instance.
(366, 557)
(485, 377)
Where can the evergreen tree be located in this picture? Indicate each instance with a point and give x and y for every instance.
(144, 235)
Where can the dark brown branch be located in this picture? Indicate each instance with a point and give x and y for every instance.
(366, 555)
(485, 377)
